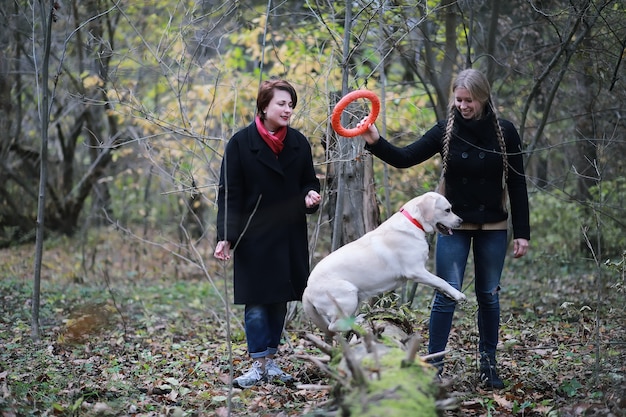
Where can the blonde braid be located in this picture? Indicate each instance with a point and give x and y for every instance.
(445, 150)
(505, 161)
(502, 142)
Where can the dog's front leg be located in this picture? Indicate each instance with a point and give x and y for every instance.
(430, 279)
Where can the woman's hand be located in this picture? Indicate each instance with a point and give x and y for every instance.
(312, 199)
(371, 135)
(222, 250)
(520, 247)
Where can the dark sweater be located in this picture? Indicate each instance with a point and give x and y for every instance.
(473, 177)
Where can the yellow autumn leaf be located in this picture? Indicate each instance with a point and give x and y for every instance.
(92, 81)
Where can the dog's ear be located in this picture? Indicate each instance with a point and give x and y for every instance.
(427, 208)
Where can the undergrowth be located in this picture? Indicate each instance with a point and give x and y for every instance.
(154, 342)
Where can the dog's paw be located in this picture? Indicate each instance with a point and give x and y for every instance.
(460, 298)
(455, 295)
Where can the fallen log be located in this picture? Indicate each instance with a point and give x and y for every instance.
(377, 373)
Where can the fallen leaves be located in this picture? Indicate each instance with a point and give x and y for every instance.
(161, 349)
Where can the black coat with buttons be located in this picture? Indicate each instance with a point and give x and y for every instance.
(473, 177)
(261, 211)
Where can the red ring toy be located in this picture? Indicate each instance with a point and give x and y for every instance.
(335, 118)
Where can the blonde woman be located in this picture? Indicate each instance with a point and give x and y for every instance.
(482, 167)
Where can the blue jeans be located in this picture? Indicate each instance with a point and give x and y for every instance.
(264, 328)
(489, 250)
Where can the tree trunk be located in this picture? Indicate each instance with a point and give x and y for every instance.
(356, 210)
(47, 17)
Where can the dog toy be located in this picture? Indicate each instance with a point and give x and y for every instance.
(343, 103)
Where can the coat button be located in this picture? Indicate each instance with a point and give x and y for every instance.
(481, 155)
(464, 155)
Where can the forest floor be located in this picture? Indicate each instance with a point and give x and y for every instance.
(136, 328)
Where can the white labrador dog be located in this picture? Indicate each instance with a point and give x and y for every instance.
(379, 261)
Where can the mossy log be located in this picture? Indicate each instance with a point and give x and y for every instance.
(380, 375)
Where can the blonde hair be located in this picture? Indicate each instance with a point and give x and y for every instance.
(478, 86)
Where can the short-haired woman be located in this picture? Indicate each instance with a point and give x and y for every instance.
(267, 187)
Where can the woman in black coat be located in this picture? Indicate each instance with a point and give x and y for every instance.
(482, 167)
(267, 187)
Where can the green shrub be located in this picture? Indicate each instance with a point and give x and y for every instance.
(555, 224)
(562, 227)
(608, 206)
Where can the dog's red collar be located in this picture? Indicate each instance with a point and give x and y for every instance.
(411, 218)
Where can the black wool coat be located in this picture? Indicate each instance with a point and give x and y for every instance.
(261, 211)
(474, 174)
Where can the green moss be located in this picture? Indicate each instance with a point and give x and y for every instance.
(400, 392)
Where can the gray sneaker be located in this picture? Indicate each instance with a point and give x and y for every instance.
(250, 378)
(274, 372)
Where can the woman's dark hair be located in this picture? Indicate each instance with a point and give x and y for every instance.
(266, 94)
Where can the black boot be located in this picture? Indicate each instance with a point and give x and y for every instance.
(488, 372)
(438, 365)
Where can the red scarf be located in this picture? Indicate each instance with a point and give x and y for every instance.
(275, 141)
